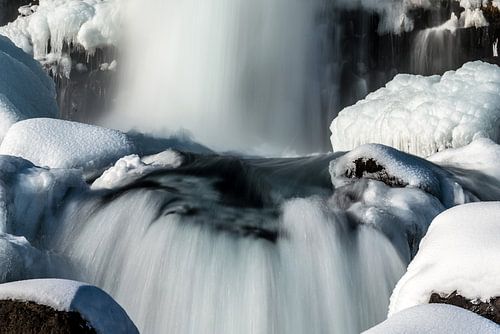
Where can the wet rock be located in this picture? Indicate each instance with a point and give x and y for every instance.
(489, 310)
(27, 317)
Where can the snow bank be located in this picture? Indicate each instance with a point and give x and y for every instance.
(435, 319)
(63, 144)
(424, 115)
(396, 169)
(89, 24)
(459, 253)
(95, 306)
(25, 90)
(130, 168)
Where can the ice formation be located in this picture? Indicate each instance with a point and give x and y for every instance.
(43, 30)
(25, 90)
(63, 144)
(424, 115)
(94, 305)
(131, 167)
(396, 168)
(435, 319)
(459, 253)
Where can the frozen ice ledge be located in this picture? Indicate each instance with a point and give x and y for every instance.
(424, 115)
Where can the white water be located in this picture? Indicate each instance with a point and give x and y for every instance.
(176, 275)
(237, 74)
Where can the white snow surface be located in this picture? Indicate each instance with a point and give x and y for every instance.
(89, 24)
(435, 319)
(424, 115)
(400, 169)
(94, 305)
(25, 90)
(131, 167)
(459, 253)
(63, 144)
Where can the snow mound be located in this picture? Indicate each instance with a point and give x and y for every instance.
(424, 115)
(459, 253)
(396, 169)
(89, 24)
(435, 319)
(25, 90)
(95, 306)
(63, 144)
(131, 167)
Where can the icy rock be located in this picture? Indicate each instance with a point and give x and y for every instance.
(94, 306)
(396, 169)
(458, 254)
(424, 115)
(435, 319)
(62, 144)
(130, 168)
(50, 25)
(25, 90)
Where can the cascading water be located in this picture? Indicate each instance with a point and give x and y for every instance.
(226, 69)
(187, 255)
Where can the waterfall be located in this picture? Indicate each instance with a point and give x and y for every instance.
(236, 74)
(183, 275)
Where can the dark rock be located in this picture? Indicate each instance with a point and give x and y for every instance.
(17, 317)
(489, 310)
(371, 169)
(9, 9)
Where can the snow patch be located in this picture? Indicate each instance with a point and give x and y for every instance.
(459, 253)
(93, 304)
(130, 168)
(424, 115)
(25, 90)
(63, 144)
(435, 319)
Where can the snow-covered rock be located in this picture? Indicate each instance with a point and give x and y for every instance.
(63, 144)
(459, 253)
(25, 90)
(131, 167)
(435, 319)
(396, 169)
(424, 115)
(94, 305)
(89, 24)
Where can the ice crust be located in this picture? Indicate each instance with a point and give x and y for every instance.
(424, 115)
(95, 306)
(131, 167)
(64, 144)
(435, 319)
(459, 253)
(25, 90)
(88, 24)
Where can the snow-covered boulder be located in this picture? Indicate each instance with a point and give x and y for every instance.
(424, 115)
(98, 310)
(63, 144)
(435, 319)
(25, 90)
(132, 167)
(458, 254)
(396, 169)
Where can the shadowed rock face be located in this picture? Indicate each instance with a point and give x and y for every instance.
(18, 317)
(9, 9)
(489, 310)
